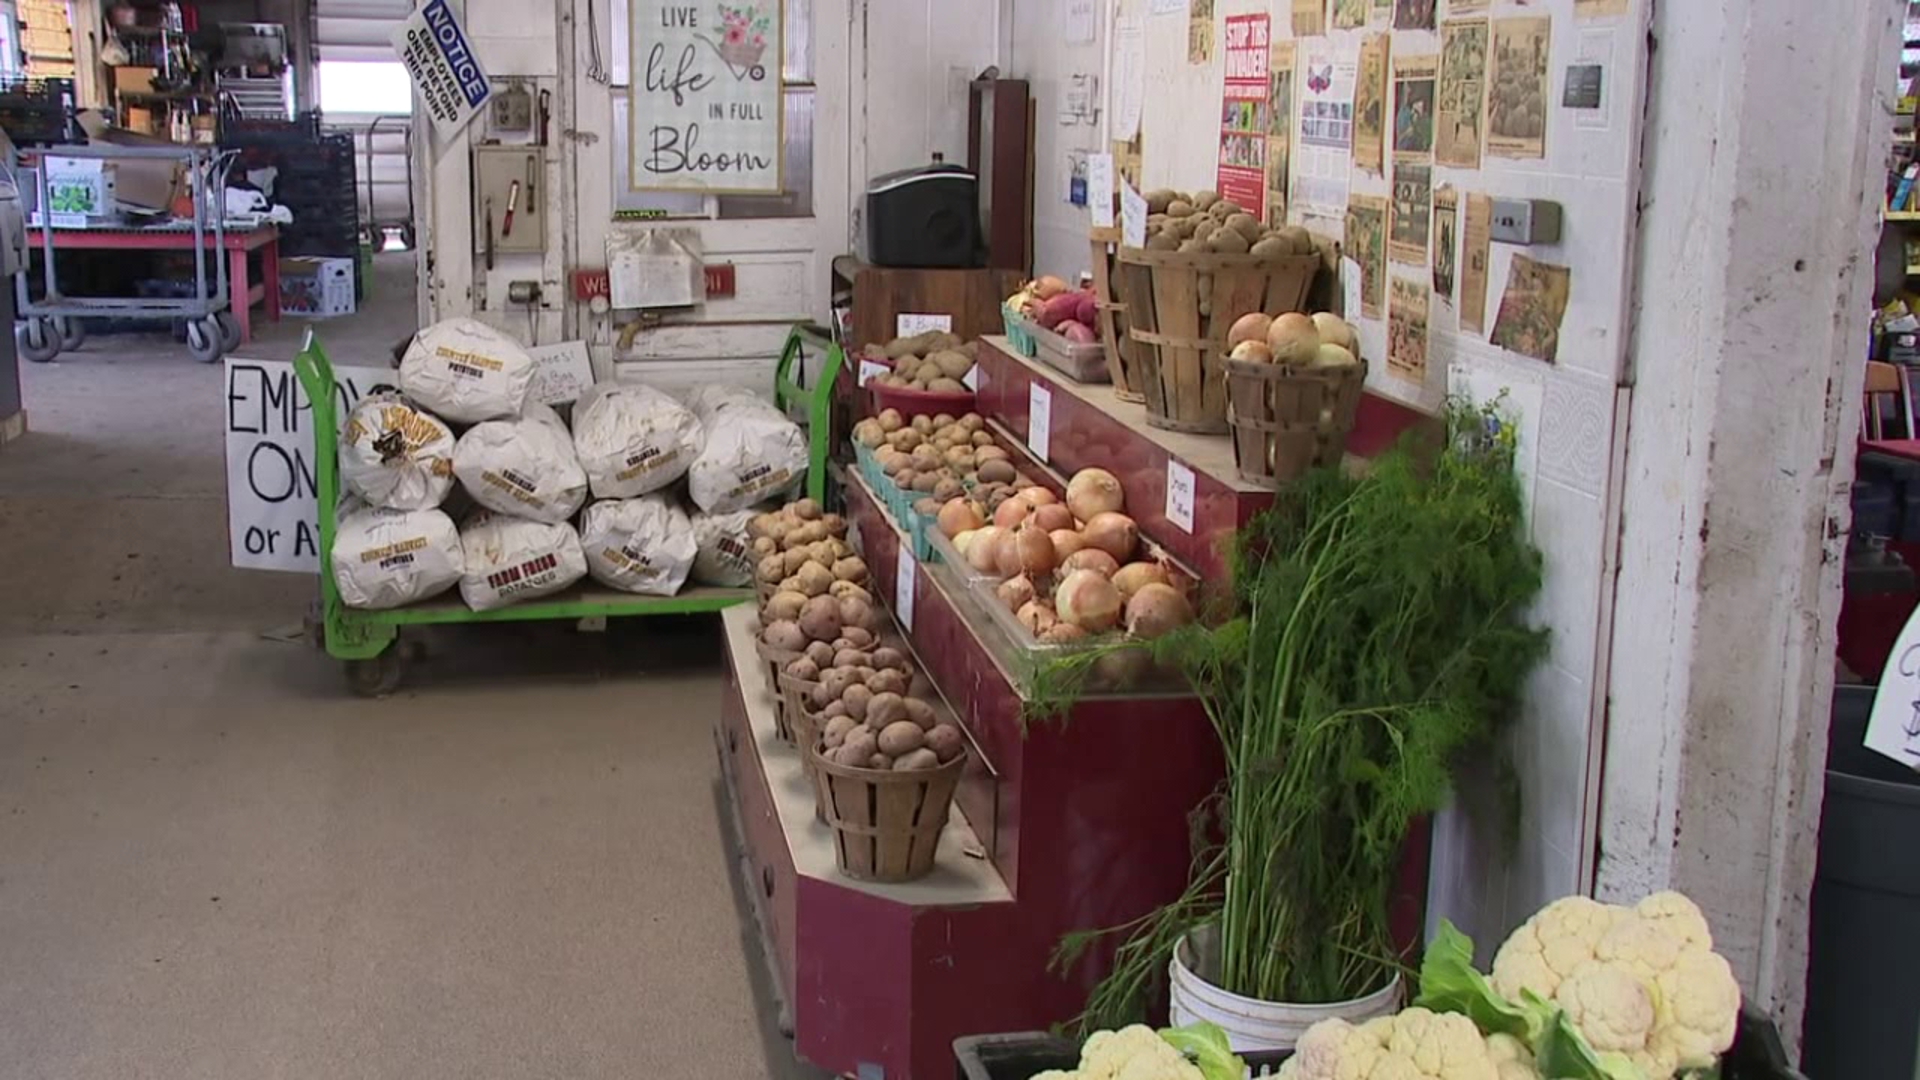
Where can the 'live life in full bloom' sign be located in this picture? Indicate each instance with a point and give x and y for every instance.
(706, 109)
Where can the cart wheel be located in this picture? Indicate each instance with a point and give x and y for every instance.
(378, 676)
(37, 339)
(73, 333)
(229, 331)
(759, 72)
(406, 237)
(203, 340)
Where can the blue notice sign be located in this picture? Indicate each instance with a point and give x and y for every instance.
(433, 46)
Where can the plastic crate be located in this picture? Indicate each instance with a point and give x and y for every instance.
(1019, 330)
(1756, 1055)
(1024, 1055)
(898, 502)
(1083, 363)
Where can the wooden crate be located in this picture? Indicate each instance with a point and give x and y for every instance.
(1196, 298)
(1287, 420)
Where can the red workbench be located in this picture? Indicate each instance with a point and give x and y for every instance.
(238, 243)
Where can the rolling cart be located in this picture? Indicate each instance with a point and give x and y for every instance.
(404, 226)
(52, 323)
(363, 640)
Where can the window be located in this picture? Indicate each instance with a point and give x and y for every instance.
(377, 88)
(797, 96)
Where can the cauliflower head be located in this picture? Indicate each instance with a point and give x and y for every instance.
(1511, 1058)
(1136, 1052)
(1416, 1044)
(1642, 981)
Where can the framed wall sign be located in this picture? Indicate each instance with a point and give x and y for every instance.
(705, 112)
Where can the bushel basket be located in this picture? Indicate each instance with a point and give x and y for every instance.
(1183, 320)
(1116, 285)
(776, 660)
(886, 824)
(1287, 419)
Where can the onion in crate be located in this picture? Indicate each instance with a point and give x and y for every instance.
(1293, 338)
(1113, 533)
(1089, 601)
(1092, 492)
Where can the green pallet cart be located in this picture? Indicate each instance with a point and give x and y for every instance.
(364, 640)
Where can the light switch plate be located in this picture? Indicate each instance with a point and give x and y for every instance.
(1526, 221)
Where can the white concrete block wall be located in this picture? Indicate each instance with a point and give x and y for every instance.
(1042, 56)
(1568, 409)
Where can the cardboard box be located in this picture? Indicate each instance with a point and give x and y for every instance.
(146, 183)
(316, 288)
(134, 80)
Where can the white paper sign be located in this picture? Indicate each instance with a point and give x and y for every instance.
(871, 370)
(1180, 489)
(1100, 189)
(1080, 22)
(1170, 7)
(561, 373)
(273, 512)
(1893, 728)
(1039, 420)
(451, 84)
(706, 110)
(903, 579)
(911, 324)
(1129, 77)
(1133, 217)
(971, 380)
(1350, 290)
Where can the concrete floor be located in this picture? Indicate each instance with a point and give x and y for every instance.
(215, 864)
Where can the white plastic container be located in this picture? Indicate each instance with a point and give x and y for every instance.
(1252, 1024)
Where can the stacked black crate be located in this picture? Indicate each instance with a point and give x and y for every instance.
(315, 180)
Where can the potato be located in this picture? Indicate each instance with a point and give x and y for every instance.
(821, 654)
(858, 701)
(886, 656)
(851, 568)
(843, 589)
(1204, 199)
(881, 762)
(922, 758)
(922, 713)
(923, 424)
(1195, 246)
(859, 748)
(837, 729)
(853, 658)
(833, 685)
(785, 635)
(1246, 225)
(1227, 242)
(820, 619)
(925, 482)
(803, 669)
(771, 569)
(856, 612)
(860, 636)
(886, 709)
(947, 742)
(784, 606)
(905, 478)
(1273, 247)
(944, 492)
(869, 433)
(948, 386)
(901, 737)
(1164, 241)
(833, 710)
(888, 681)
(1179, 208)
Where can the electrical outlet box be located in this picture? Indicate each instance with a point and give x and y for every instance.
(509, 199)
(1526, 221)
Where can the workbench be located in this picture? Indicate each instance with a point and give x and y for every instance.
(238, 242)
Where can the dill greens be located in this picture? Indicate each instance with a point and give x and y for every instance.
(1378, 634)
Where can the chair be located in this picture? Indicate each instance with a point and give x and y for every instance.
(1886, 381)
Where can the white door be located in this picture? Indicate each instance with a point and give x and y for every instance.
(781, 247)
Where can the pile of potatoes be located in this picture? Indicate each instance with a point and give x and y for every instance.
(937, 456)
(1205, 222)
(934, 362)
(867, 719)
(805, 560)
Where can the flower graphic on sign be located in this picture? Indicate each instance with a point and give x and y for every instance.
(743, 40)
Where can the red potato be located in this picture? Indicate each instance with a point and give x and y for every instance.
(1079, 333)
(1086, 310)
(1058, 310)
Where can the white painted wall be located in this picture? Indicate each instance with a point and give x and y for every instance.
(1041, 55)
(1567, 409)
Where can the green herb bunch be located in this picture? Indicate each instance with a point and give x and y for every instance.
(1379, 634)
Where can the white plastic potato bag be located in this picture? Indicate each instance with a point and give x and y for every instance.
(511, 559)
(395, 455)
(751, 453)
(642, 545)
(724, 556)
(466, 371)
(524, 466)
(386, 558)
(633, 439)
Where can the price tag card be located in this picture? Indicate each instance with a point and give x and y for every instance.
(1100, 189)
(871, 370)
(909, 324)
(903, 579)
(1133, 217)
(971, 380)
(1039, 420)
(1180, 488)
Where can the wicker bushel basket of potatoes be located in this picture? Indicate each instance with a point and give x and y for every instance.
(1206, 263)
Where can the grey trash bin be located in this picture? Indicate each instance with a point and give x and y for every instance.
(1863, 976)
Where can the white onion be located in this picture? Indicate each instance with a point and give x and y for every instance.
(1088, 601)
(1157, 609)
(1093, 492)
(1113, 533)
(1132, 577)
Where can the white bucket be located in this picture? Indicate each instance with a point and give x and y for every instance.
(1252, 1024)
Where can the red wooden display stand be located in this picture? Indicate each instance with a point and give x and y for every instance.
(1070, 823)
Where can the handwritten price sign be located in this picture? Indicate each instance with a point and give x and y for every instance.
(706, 99)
